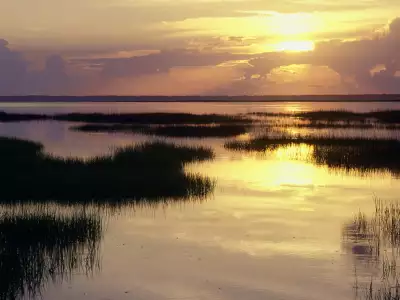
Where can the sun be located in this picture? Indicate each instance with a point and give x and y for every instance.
(295, 24)
(294, 46)
(292, 32)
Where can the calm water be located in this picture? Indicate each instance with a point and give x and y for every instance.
(197, 107)
(273, 228)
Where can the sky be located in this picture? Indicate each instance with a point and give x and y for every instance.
(199, 47)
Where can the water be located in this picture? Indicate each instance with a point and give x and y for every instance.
(197, 107)
(273, 229)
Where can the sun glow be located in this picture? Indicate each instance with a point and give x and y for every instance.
(294, 24)
(294, 46)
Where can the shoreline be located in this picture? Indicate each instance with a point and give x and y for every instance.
(202, 99)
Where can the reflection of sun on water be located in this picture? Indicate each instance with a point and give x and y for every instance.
(301, 152)
(293, 167)
(243, 137)
(293, 107)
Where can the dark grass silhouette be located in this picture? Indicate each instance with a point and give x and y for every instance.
(39, 249)
(360, 154)
(110, 128)
(130, 118)
(196, 131)
(13, 117)
(334, 115)
(147, 172)
(382, 116)
(152, 118)
(335, 125)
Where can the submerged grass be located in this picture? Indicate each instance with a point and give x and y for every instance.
(187, 131)
(380, 234)
(361, 154)
(151, 171)
(38, 249)
(380, 231)
(131, 118)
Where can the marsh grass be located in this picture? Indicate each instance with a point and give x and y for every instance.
(187, 131)
(334, 125)
(38, 249)
(382, 116)
(110, 128)
(131, 118)
(361, 154)
(14, 117)
(147, 172)
(334, 116)
(331, 116)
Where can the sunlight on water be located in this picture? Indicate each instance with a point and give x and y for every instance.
(294, 152)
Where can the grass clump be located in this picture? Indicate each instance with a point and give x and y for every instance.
(151, 118)
(186, 131)
(38, 249)
(14, 117)
(199, 131)
(382, 116)
(337, 125)
(333, 116)
(130, 118)
(110, 128)
(361, 154)
(148, 172)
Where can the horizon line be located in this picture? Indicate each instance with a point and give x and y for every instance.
(204, 98)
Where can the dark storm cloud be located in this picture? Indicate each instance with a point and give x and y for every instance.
(13, 69)
(16, 78)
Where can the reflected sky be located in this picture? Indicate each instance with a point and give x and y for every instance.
(196, 107)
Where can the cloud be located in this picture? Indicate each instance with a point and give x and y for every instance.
(351, 60)
(369, 65)
(178, 81)
(17, 79)
(162, 62)
(356, 59)
(13, 69)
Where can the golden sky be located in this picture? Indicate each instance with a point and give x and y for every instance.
(153, 46)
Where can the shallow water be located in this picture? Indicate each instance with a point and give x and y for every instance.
(273, 229)
(197, 107)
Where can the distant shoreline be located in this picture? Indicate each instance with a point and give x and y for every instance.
(204, 99)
